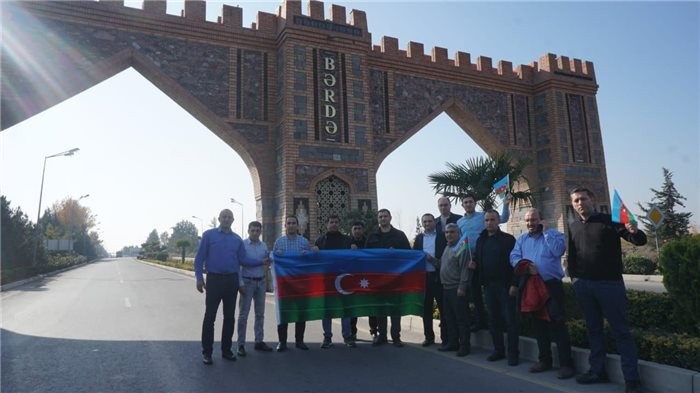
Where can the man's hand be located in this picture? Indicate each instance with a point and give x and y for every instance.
(631, 228)
(201, 286)
(315, 249)
(532, 269)
(507, 199)
(513, 291)
(241, 290)
(461, 292)
(472, 265)
(266, 262)
(353, 246)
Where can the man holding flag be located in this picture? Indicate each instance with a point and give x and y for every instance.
(454, 275)
(595, 268)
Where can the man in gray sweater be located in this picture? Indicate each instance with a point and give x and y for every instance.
(454, 275)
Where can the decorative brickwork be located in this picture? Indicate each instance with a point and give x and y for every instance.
(308, 101)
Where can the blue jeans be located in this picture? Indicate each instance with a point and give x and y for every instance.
(345, 328)
(607, 299)
(253, 291)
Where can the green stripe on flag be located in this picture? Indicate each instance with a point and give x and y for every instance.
(358, 305)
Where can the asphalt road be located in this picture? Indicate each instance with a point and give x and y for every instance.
(121, 325)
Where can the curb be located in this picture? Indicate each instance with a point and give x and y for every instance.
(15, 284)
(168, 268)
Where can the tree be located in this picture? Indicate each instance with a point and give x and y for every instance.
(152, 247)
(184, 230)
(153, 237)
(17, 237)
(182, 244)
(164, 237)
(477, 176)
(675, 224)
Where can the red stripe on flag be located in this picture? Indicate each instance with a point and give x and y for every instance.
(312, 285)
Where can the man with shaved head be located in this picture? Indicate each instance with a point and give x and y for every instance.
(222, 252)
(446, 216)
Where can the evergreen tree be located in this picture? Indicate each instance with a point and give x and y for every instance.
(675, 224)
(153, 237)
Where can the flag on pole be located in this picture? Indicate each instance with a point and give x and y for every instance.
(462, 245)
(501, 187)
(349, 283)
(620, 213)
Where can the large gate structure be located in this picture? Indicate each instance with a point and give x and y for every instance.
(306, 99)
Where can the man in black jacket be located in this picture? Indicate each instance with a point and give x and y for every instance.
(386, 236)
(492, 259)
(432, 243)
(357, 241)
(446, 216)
(595, 268)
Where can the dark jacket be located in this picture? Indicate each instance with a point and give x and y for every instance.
(452, 219)
(440, 243)
(333, 241)
(501, 271)
(358, 243)
(594, 247)
(392, 239)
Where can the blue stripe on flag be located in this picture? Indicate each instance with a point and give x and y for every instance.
(350, 261)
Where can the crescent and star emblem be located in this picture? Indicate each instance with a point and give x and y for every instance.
(338, 286)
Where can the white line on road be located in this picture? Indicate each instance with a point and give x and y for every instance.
(127, 303)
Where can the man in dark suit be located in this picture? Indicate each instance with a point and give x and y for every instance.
(432, 243)
(446, 216)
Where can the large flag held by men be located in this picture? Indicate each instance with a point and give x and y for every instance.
(349, 283)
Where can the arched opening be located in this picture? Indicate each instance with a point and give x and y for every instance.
(332, 198)
(145, 161)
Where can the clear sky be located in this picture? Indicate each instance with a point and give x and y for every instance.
(147, 164)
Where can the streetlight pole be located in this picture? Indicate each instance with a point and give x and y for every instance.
(72, 221)
(41, 194)
(201, 225)
(233, 200)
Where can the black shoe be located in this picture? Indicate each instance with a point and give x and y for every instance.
(591, 377)
(301, 345)
(281, 347)
(397, 343)
(447, 348)
(565, 372)
(327, 343)
(513, 360)
(496, 355)
(463, 351)
(541, 367)
(229, 356)
(428, 342)
(379, 340)
(633, 387)
(261, 346)
(241, 351)
(350, 342)
(206, 359)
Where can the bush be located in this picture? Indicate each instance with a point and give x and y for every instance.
(680, 265)
(162, 256)
(637, 264)
(648, 310)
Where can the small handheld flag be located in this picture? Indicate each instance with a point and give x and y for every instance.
(620, 213)
(501, 187)
(462, 245)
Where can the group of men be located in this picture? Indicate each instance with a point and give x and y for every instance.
(511, 272)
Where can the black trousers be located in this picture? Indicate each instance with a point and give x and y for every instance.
(373, 325)
(502, 318)
(395, 327)
(555, 329)
(220, 288)
(299, 329)
(476, 297)
(456, 318)
(433, 292)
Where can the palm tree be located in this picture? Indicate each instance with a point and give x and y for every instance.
(182, 244)
(477, 176)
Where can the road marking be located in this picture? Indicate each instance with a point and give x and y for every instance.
(127, 303)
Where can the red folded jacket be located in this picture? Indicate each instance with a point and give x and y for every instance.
(535, 295)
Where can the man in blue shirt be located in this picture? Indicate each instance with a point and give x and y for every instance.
(544, 248)
(222, 252)
(254, 286)
(473, 224)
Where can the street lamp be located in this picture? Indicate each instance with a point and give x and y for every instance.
(41, 193)
(233, 200)
(201, 225)
(83, 196)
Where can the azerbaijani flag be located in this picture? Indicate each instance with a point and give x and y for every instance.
(620, 213)
(462, 245)
(349, 283)
(501, 187)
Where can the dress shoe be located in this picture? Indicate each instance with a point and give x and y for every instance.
(397, 343)
(206, 359)
(591, 377)
(513, 360)
(496, 355)
(540, 367)
(281, 347)
(633, 387)
(261, 346)
(350, 342)
(229, 356)
(565, 372)
(301, 345)
(447, 348)
(379, 340)
(463, 351)
(241, 351)
(428, 342)
(327, 343)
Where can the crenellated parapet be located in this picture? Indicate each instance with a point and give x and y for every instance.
(549, 65)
